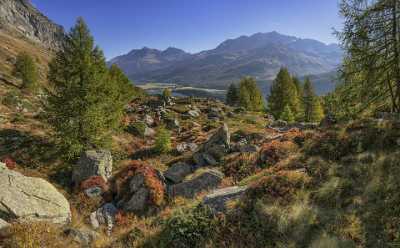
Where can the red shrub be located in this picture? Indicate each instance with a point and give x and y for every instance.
(121, 219)
(152, 180)
(10, 163)
(94, 181)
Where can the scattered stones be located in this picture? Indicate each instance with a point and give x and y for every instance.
(31, 199)
(93, 163)
(183, 147)
(104, 216)
(217, 200)
(177, 172)
(206, 181)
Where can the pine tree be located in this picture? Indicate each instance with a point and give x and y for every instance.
(313, 111)
(283, 93)
(25, 69)
(232, 96)
(299, 91)
(250, 96)
(86, 104)
(287, 115)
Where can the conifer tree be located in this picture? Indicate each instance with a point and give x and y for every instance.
(25, 69)
(287, 115)
(232, 95)
(283, 93)
(313, 111)
(299, 91)
(250, 96)
(86, 104)
(163, 140)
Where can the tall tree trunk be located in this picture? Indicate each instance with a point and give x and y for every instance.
(395, 34)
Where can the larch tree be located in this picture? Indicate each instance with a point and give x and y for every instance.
(371, 39)
(283, 93)
(250, 96)
(313, 111)
(86, 101)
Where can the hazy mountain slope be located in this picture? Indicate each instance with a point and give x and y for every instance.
(260, 55)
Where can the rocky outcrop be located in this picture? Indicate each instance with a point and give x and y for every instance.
(31, 199)
(177, 172)
(212, 151)
(21, 17)
(217, 200)
(93, 163)
(208, 180)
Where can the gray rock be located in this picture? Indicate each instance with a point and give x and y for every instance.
(92, 163)
(248, 148)
(138, 201)
(177, 172)
(148, 132)
(217, 200)
(31, 199)
(148, 120)
(84, 237)
(183, 147)
(173, 124)
(194, 113)
(104, 216)
(210, 160)
(208, 180)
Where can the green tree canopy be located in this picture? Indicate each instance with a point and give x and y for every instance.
(283, 93)
(87, 101)
(287, 115)
(232, 95)
(25, 68)
(313, 111)
(250, 96)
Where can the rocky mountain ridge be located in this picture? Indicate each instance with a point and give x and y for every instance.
(259, 55)
(21, 17)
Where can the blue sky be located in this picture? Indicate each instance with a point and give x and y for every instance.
(192, 25)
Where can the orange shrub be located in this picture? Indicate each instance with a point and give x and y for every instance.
(280, 186)
(152, 181)
(274, 151)
(94, 181)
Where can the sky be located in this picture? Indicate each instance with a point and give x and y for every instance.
(192, 25)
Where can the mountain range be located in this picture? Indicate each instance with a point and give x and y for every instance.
(260, 55)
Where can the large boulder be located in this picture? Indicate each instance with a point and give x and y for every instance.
(31, 199)
(208, 180)
(93, 163)
(177, 172)
(217, 200)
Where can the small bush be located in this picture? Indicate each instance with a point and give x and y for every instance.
(240, 166)
(188, 228)
(163, 141)
(138, 128)
(272, 152)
